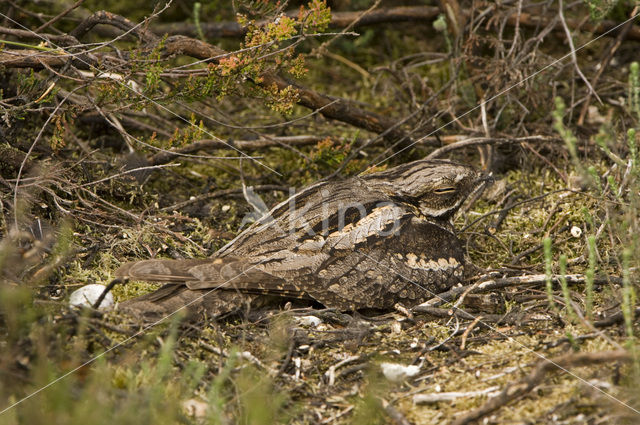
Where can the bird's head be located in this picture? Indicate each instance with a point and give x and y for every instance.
(436, 188)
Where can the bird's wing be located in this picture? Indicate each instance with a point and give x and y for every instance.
(408, 265)
(289, 272)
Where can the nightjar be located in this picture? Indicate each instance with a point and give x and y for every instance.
(367, 242)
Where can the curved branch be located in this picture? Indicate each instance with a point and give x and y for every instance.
(120, 22)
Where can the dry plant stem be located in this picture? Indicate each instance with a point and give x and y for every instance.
(448, 338)
(28, 154)
(574, 58)
(499, 283)
(604, 63)
(223, 193)
(585, 323)
(106, 290)
(289, 355)
(463, 342)
(562, 175)
(35, 59)
(451, 396)
(447, 313)
(518, 389)
(479, 141)
(323, 47)
(516, 31)
(395, 415)
(109, 326)
(59, 16)
(65, 40)
(111, 19)
(211, 144)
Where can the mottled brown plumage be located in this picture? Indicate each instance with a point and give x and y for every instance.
(365, 242)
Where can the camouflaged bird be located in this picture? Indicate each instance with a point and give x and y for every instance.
(366, 242)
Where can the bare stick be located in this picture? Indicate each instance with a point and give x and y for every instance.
(59, 16)
(574, 58)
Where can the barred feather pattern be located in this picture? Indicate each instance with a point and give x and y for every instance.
(364, 242)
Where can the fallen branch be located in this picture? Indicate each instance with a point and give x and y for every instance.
(35, 59)
(330, 107)
(451, 396)
(491, 284)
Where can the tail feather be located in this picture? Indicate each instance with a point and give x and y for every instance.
(216, 286)
(174, 298)
(159, 270)
(220, 273)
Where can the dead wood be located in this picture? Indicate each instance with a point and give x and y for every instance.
(34, 59)
(330, 107)
(499, 283)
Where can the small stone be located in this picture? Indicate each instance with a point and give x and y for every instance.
(576, 232)
(396, 372)
(225, 208)
(195, 408)
(311, 321)
(88, 295)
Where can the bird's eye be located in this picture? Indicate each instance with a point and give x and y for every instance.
(443, 190)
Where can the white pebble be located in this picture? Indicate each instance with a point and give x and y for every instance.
(576, 232)
(311, 321)
(226, 208)
(88, 295)
(396, 372)
(195, 408)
